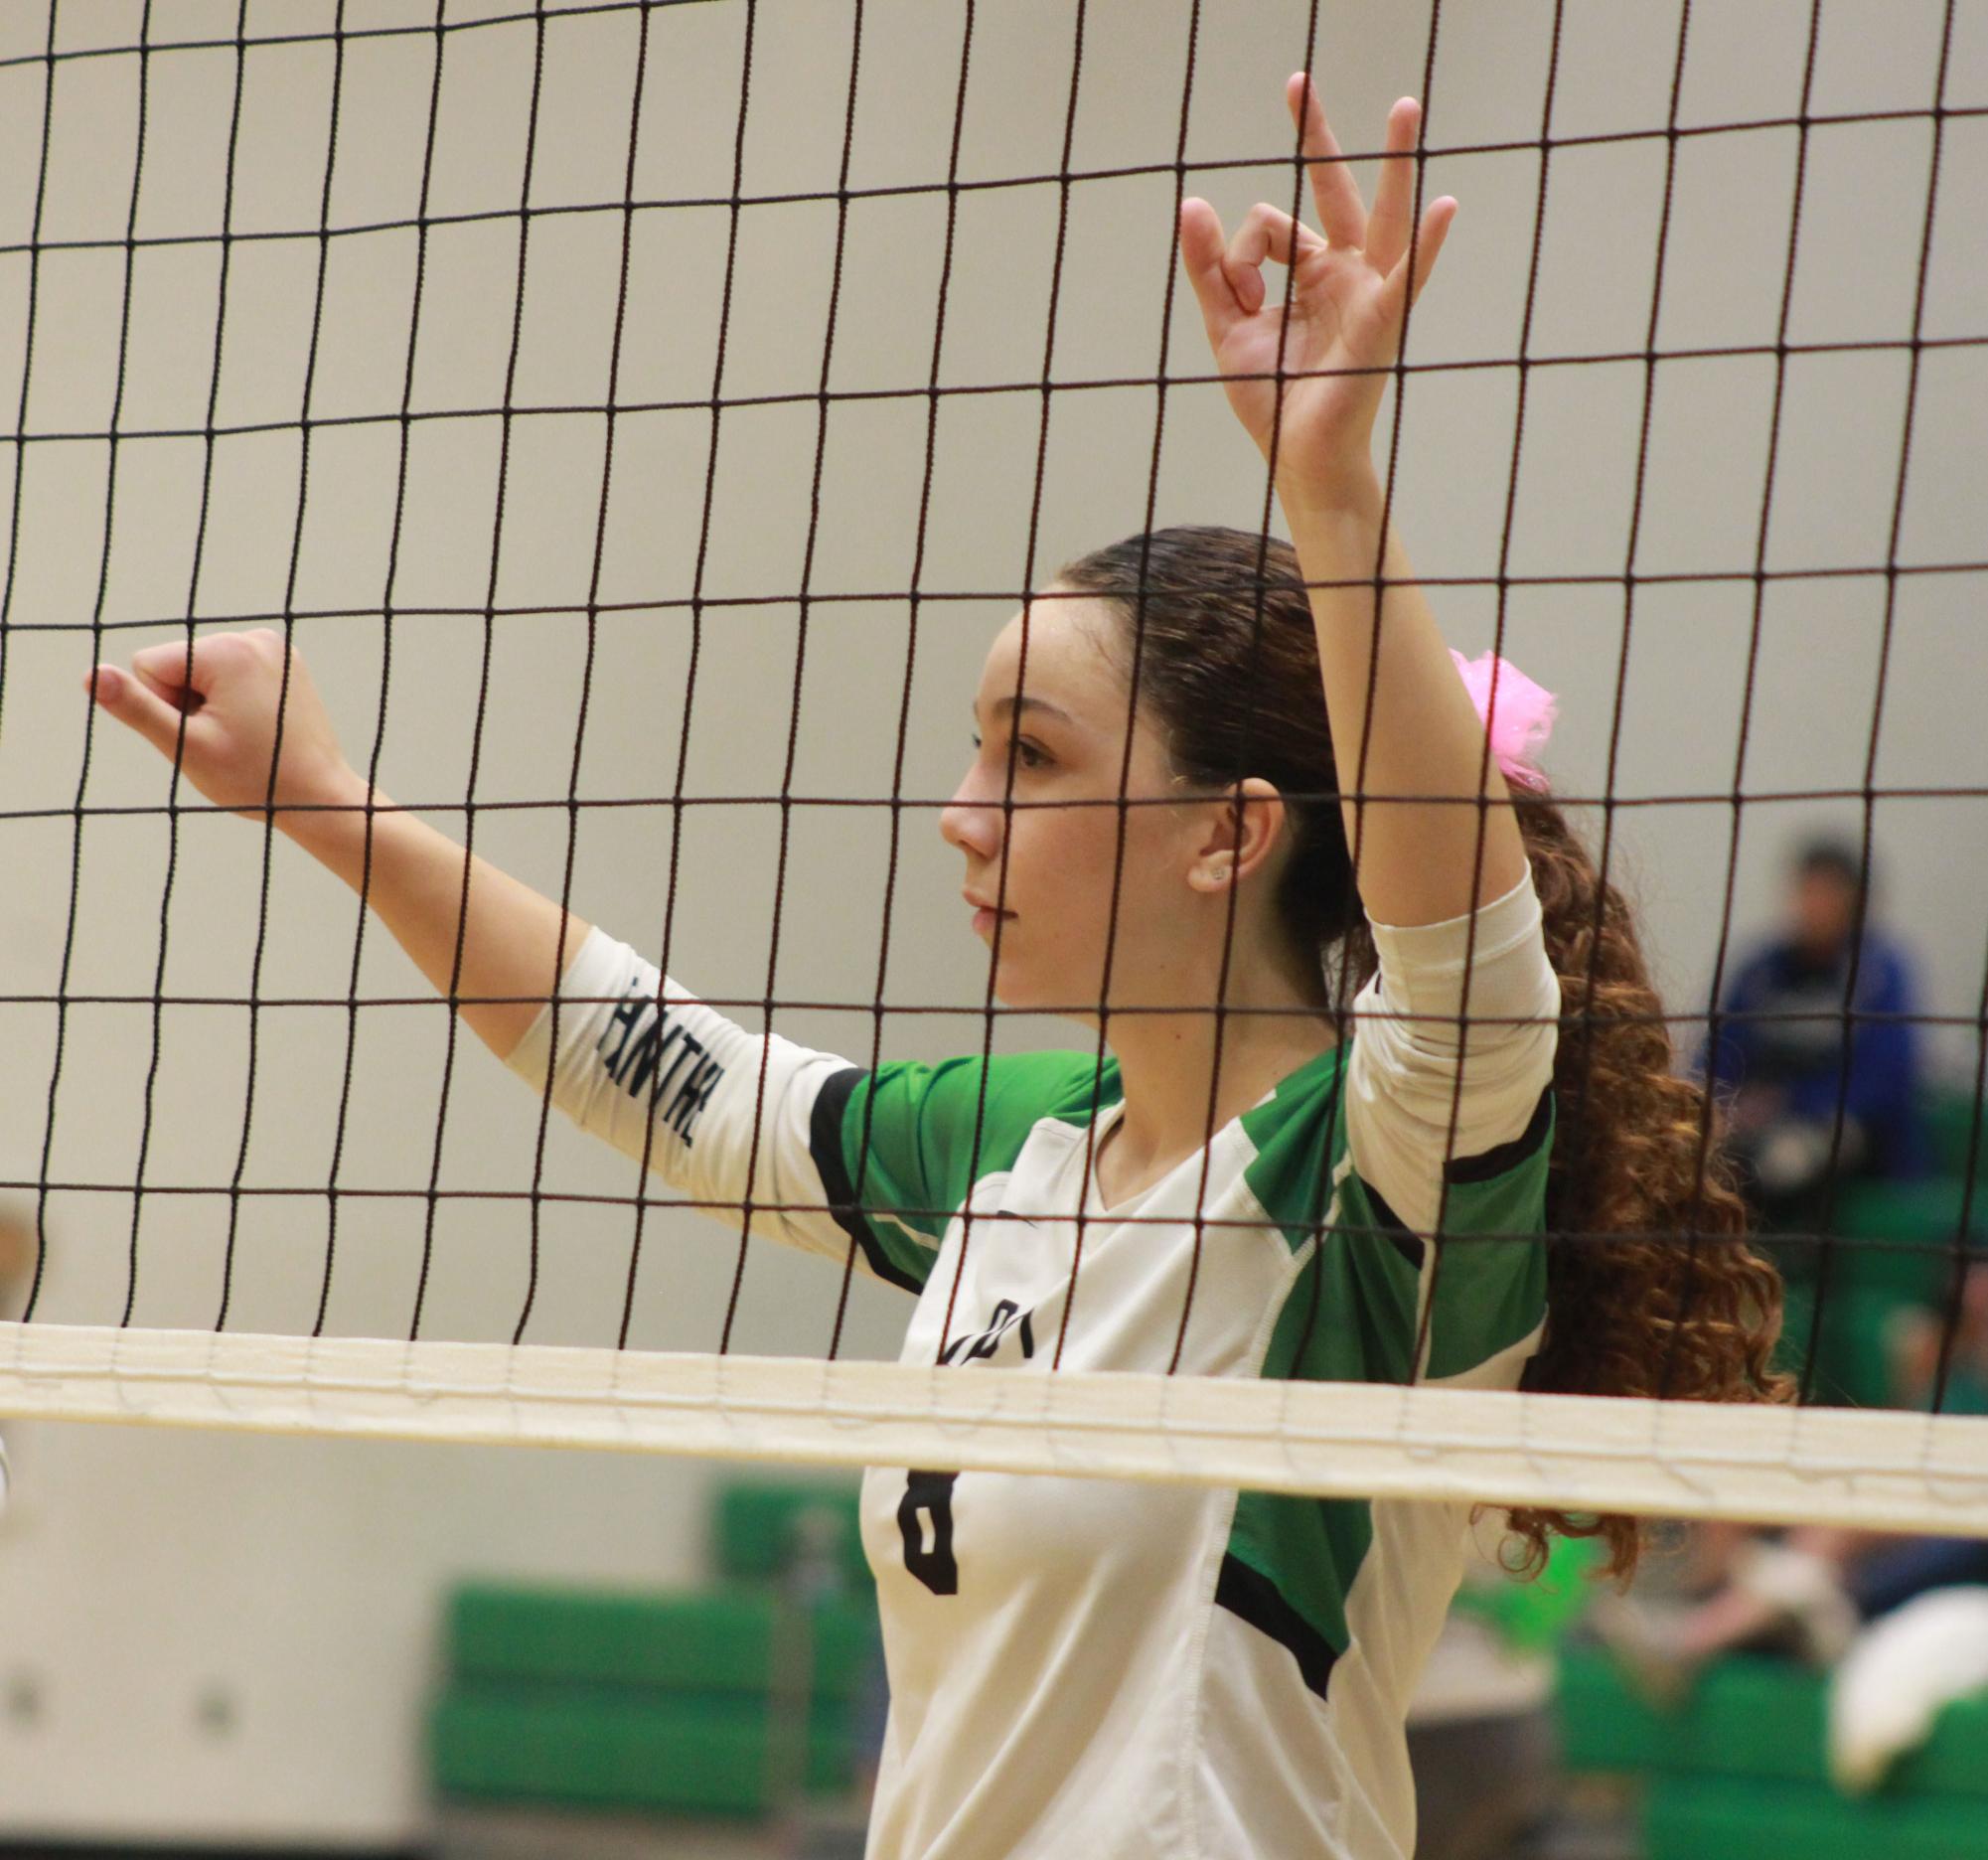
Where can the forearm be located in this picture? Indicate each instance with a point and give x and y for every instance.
(1424, 1088)
(515, 943)
(1420, 735)
(736, 1120)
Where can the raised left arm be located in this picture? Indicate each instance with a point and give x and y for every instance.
(1419, 736)
(1427, 809)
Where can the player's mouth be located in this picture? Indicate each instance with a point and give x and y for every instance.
(984, 915)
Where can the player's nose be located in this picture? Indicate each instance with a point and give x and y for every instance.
(971, 823)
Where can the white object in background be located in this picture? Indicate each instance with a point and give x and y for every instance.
(1897, 1676)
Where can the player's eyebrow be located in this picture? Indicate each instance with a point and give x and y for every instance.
(1006, 705)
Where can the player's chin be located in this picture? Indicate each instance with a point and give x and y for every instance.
(1008, 971)
(1024, 983)
(1016, 975)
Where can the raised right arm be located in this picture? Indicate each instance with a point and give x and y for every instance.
(728, 1116)
(515, 940)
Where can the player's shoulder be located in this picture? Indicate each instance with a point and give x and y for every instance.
(985, 1106)
(1297, 1134)
(1058, 1083)
(1307, 1094)
(1073, 1087)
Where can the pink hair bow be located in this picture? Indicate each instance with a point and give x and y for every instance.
(1518, 714)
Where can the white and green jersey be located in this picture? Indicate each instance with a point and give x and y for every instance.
(1098, 1669)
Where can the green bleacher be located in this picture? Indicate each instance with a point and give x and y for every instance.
(1739, 1772)
(705, 1702)
(1897, 1244)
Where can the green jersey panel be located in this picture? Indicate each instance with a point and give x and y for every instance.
(1352, 1314)
(900, 1149)
(1488, 1279)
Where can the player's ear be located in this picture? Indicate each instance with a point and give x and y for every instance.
(1238, 831)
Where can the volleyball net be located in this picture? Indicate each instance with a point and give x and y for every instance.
(642, 415)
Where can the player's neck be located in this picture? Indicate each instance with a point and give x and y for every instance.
(1169, 1062)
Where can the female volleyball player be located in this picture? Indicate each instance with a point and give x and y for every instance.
(1094, 1669)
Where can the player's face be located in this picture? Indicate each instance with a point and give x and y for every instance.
(1048, 862)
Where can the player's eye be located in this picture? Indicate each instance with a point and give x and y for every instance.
(1030, 756)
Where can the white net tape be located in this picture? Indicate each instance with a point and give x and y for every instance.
(1882, 1469)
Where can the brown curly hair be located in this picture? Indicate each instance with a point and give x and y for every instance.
(1652, 1289)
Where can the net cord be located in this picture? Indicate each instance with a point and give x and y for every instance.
(289, 642)
(667, 603)
(1171, 272)
(387, 616)
(1755, 622)
(1969, 1022)
(1721, 797)
(1877, 1468)
(1961, 1256)
(949, 247)
(1084, 383)
(95, 620)
(488, 654)
(1618, 702)
(1682, 133)
(696, 615)
(771, 1002)
(1825, 1264)
(1341, 978)
(561, 953)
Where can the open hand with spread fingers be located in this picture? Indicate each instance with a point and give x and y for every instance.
(1349, 296)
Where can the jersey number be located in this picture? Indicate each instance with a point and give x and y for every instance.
(925, 1513)
(929, 1497)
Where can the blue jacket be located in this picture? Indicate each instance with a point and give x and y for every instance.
(1784, 1024)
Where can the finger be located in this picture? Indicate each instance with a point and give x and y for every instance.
(189, 674)
(1336, 193)
(1202, 257)
(133, 704)
(1435, 221)
(179, 671)
(174, 695)
(1266, 232)
(1394, 198)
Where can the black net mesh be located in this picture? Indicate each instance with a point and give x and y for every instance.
(210, 388)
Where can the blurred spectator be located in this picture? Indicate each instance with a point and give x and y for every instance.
(1779, 1047)
(1940, 1359)
(1804, 1593)
(1807, 1592)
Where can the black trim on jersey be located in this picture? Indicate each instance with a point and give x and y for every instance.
(1506, 1156)
(1250, 1595)
(1392, 1224)
(825, 1144)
